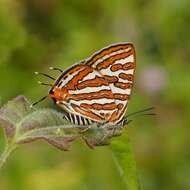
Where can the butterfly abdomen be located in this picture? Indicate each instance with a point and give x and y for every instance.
(77, 120)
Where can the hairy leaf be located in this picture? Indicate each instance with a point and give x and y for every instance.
(12, 113)
(24, 124)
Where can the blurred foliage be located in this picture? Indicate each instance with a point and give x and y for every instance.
(36, 34)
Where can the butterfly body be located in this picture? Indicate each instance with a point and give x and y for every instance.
(97, 90)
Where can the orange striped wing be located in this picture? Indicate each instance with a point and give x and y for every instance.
(99, 87)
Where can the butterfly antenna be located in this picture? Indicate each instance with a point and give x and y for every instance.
(46, 75)
(142, 112)
(56, 69)
(147, 114)
(45, 84)
(43, 98)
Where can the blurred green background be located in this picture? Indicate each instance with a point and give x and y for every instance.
(36, 34)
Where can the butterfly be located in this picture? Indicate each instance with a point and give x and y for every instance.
(97, 89)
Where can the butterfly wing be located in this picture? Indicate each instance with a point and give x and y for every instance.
(99, 87)
(116, 64)
(88, 93)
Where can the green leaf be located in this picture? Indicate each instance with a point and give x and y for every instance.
(24, 124)
(124, 159)
(12, 113)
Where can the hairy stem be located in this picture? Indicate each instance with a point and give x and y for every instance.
(5, 154)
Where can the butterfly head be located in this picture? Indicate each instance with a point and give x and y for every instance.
(56, 93)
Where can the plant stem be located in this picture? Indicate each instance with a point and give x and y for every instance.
(5, 154)
(125, 162)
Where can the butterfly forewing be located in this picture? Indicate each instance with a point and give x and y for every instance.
(99, 87)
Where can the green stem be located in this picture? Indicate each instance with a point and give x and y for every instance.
(125, 162)
(5, 154)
